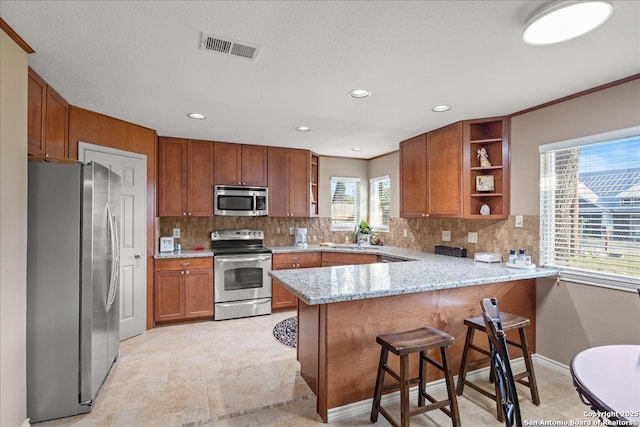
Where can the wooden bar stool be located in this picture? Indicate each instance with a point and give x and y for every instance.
(527, 378)
(403, 344)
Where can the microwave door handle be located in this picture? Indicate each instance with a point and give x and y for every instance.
(255, 202)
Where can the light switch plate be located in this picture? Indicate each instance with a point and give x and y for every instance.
(472, 237)
(519, 221)
(446, 235)
(176, 233)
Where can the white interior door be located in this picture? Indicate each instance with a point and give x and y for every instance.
(132, 167)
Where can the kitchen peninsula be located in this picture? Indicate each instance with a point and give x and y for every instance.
(342, 309)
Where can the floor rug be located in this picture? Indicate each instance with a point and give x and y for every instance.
(286, 331)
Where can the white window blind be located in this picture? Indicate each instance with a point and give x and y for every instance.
(590, 209)
(379, 203)
(345, 203)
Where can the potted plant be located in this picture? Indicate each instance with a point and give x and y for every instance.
(364, 233)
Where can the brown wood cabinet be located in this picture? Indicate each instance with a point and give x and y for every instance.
(185, 177)
(431, 174)
(438, 171)
(240, 164)
(281, 298)
(339, 258)
(47, 119)
(289, 172)
(183, 289)
(492, 134)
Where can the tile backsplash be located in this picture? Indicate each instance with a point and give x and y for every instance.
(423, 234)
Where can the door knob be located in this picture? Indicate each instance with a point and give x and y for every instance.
(137, 256)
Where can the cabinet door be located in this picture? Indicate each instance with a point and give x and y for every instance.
(444, 172)
(299, 183)
(169, 295)
(227, 163)
(198, 293)
(35, 118)
(413, 177)
(172, 177)
(281, 298)
(200, 178)
(278, 179)
(56, 130)
(254, 165)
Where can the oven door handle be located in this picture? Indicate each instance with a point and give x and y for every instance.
(250, 302)
(219, 259)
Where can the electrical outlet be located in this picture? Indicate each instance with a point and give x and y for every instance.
(472, 237)
(291, 231)
(446, 235)
(176, 233)
(278, 230)
(405, 232)
(519, 221)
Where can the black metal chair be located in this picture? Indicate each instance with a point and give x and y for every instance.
(500, 364)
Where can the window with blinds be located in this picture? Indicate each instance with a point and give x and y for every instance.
(379, 203)
(345, 203)
(590, 208)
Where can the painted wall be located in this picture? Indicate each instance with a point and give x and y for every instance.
(571, 316)
(13, 228)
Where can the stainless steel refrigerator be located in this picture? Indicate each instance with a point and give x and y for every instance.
(72, 286)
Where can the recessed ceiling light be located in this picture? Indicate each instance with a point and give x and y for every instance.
(356, 149)
(303, 128)
(564, 20)
(196, 116)
(359, 93)
(441, 108)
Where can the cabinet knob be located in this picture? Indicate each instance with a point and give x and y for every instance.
(184, 213)
(182, 272)
(187, 271)
(189, 214)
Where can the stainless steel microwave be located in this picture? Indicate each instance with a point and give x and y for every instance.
(231, 200)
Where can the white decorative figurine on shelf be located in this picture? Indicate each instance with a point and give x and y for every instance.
(484, 158)
(485, 210)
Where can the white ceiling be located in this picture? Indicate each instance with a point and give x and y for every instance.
(140, 61)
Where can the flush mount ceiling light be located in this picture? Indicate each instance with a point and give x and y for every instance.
(441, 108)
(303, 128)
(196, 116)
(564, 20)
(356, 149)
(359, 93)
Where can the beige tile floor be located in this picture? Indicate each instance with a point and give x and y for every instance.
(234, 373)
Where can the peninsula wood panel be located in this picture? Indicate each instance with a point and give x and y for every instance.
(344, 367)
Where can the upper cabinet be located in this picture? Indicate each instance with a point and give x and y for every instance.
(290, 182)
(48, 119)
(486, 168)
(441, 175)
(240, 164)
(185, 177)
(430, 174)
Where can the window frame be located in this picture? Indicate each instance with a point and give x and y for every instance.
(577, 275)
(345, 226)
(372, 182)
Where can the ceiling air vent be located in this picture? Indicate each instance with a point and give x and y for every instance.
(228, 46)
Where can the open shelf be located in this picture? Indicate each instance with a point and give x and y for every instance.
(491, 135)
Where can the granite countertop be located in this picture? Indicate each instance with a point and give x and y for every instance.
(187, 253)
(427, 272)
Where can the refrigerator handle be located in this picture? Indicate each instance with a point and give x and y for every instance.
(115, 258)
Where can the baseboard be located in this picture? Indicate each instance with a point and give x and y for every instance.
(363, 407)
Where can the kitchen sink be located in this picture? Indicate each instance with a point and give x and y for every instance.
(355, 247)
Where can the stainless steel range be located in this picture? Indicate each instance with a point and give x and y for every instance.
(241, 265)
